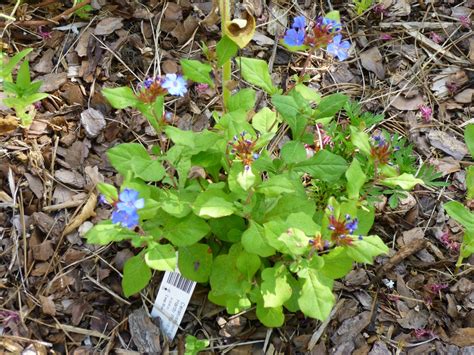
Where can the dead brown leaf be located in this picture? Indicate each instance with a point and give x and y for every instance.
(108, 25)
(8, 124)
(371, 60)
(462, 337)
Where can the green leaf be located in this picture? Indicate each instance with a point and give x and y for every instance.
(120, 97)
(405, 181)
(134, 157)
(194, 345)
(290, 111)
(233, 123)
(355, 179)
(246, 179)
(467, 246)
(248, 264)
(109, 191)
(225, 50)
(195, 262)
(461, 214)
(255, 71)
(271, 317)
(6, 69)
(316, 299)
(336, 264)
(136, 275)
(307, 93)
(277, 185)
(293, 152)
(243, 100)
(213, 204)
(293, 242)
(185, 231)
(330, 105)
(197, 71)
(469, 138)
(254, 241)
(105, 232)
(360, 140)
(265, 121)
(161, 257)
(275, 288)
(363, 251)
(228, 229)
(470, 182)
(324, 165)
(23, 77)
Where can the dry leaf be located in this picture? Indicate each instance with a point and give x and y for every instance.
(108, 25)
(70, 177)
(408, 104)
(8, 124)
(371, 60)
(241, 30)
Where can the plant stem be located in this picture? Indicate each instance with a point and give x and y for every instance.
(224, 7)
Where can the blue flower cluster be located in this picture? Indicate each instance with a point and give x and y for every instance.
(296, 35)
(126, 208)
(324, 33)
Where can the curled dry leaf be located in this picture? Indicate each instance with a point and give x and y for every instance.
(86, 213)
(241, 30)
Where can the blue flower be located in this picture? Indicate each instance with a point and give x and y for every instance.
(126, 209)
(175, 84)
(331, 25)
(128, 219)
(299, 23)
(294, 37)
(148, 82)
(339, 49)
(352, 225)
(128, 200)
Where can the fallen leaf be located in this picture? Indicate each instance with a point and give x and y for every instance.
(8, 124)
(371, 60)
(465, 96)
(184, 30)
(445, 166)
(279, 23)
(408, 104)
(47, 305)
(108, 25)
(448, 144)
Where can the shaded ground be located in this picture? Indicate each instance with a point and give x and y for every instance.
(58, 293)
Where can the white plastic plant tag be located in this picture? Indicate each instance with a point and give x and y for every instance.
(171, 301)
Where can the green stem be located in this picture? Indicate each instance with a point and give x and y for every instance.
(224, 7)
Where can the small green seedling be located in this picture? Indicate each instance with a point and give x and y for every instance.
(22, 94)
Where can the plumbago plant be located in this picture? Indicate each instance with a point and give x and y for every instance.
(22, 94)
(265, 227)
(458, 211)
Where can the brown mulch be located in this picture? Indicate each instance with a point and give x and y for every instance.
(59, 294)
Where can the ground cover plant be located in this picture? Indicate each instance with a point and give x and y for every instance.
(231, 211)
(308, 164)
